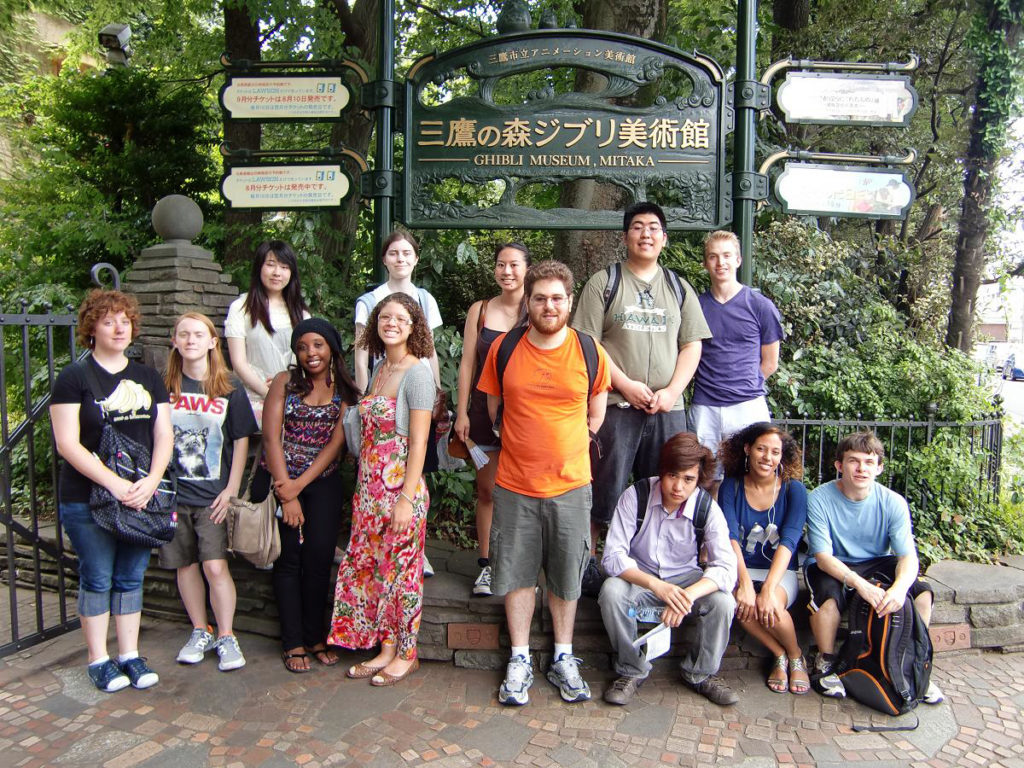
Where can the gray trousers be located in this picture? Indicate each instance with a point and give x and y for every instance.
(712, 615)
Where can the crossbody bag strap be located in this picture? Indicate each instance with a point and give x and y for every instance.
(97, 391)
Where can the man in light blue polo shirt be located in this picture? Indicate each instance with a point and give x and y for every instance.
(858, 529)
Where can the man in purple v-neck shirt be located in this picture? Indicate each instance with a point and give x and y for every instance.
(729, 385)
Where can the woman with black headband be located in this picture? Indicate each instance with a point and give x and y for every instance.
(302, 441)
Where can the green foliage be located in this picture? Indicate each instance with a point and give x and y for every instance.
(954, 516)
(96, 153)
(994, 39)
(847, 350)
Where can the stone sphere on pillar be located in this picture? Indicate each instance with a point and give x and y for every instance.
(177, 218)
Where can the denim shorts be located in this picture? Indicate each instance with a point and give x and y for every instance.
(109, 571)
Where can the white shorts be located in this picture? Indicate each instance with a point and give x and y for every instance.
(714, 423)
(788, 583)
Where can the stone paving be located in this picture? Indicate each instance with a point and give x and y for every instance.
(50, 715)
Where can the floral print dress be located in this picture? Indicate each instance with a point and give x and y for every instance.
(379, 595)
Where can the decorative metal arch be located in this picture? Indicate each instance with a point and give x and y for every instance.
(671, 148)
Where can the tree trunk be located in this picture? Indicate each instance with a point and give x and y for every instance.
(988, 120)
(586, 251)
(791, 16)
(242, 41)
(359, 24)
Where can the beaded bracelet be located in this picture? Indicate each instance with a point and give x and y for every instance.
(404, 496)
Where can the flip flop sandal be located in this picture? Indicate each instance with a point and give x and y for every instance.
(321, 655)
(796, 686)
(287, 657)
(779, 684)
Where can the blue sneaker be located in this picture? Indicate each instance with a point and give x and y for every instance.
(139, 673)
(108, 677)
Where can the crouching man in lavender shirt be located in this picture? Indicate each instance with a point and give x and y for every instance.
(653, 562)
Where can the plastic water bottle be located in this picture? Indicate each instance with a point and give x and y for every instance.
(648, 614)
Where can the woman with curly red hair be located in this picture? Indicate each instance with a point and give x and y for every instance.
(135, 399)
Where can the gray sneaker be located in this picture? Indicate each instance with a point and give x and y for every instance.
(564, 674)
(622, 690)
(515, 688)
(714, 690)
(230, 654)
(195, 649)
(482, 585)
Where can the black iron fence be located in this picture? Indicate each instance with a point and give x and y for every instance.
(36, 568)
(930, 462)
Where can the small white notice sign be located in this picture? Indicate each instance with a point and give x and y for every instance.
(817, 97)
(285, 187)
(285, 97)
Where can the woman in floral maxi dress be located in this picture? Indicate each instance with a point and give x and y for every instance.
(379, 595)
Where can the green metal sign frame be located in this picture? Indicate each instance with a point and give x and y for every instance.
(672, 149)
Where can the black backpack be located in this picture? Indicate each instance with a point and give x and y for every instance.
(614, 271)
(508, 345)
(700, 515)
(886, 663)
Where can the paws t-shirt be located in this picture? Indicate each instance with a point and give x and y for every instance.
(205, 430)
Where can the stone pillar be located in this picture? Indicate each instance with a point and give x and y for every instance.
(174, 277)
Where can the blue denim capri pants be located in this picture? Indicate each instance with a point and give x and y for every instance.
(109, 571)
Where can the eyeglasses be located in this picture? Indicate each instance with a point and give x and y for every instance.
(639, 229)
(540, 301)
(385, 319)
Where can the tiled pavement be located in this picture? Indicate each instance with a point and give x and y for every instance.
(444, 716)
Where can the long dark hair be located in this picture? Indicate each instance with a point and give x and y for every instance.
(257, 305)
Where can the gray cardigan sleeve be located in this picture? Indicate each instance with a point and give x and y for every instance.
(416, 392)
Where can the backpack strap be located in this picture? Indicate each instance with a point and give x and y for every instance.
(675, 284)
(700, 515)
(614, 271)
(424, 303)
(504, 354)
(615, 278)
(642, 488)
(589, 349)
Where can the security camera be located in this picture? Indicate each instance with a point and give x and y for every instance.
(115, 37)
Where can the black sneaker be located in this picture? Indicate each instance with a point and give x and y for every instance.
(714, 690)
(592, 579)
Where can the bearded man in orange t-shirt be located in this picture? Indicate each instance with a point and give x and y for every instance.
(542, 494)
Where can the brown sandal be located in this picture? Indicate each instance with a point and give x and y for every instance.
(289, 658)
(383, 678)
(361, 671)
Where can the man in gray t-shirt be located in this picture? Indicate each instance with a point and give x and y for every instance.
(654, 345)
